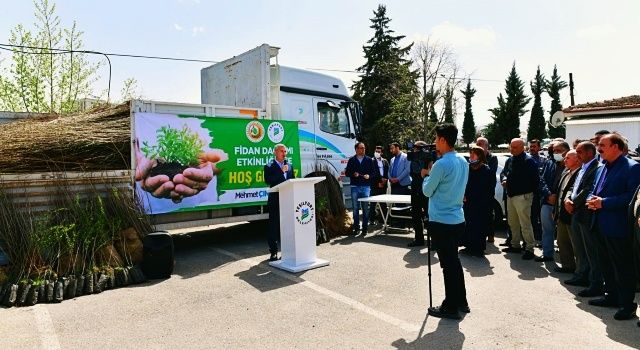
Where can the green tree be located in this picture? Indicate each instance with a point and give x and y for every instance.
(537, 123)
(41, 78)
(387, 86)
(506, 117)
(468, 125)
(448, 106)
(553, 89)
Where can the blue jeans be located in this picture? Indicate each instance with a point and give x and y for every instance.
(358, 192)
(548, 230)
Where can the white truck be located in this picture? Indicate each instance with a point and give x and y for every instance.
(254, 86)
(247, 89)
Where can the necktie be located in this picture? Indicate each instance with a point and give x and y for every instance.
(395, 165)
(601, 182)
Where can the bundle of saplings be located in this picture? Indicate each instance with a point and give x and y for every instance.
(99, 139)
(332, 219)
(83, 245)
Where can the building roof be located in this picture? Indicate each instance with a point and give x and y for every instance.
(615, 105)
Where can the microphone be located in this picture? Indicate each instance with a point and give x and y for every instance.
(285, 162)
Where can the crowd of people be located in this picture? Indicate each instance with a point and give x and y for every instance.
(583, 197)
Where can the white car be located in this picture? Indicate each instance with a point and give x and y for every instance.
(498, 203)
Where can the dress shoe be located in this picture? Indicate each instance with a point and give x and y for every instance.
(512, 250)
(464, 308)
(440, 312)
(506, 243)
(528, 255)
(590, 293)
(564, 269)
(626, 313)
(415, 244)
(543, 258)
(605, 301)
(355, 232)
(577, 282)
(273, 257)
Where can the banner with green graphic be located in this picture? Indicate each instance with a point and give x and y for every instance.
(189, 163)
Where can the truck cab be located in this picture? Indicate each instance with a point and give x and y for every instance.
(328, 119)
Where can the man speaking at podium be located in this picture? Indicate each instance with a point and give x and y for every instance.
(277, 172)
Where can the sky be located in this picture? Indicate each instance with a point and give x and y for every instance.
(594, 40)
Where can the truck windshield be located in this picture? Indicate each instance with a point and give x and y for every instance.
(333, 120)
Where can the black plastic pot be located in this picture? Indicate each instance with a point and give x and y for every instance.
(79, 285)
(32, 295)
(58, 292)
(70, 289)
(50, 291)
(88, 284)
(23, 291)
(42, 293)
(10, 295)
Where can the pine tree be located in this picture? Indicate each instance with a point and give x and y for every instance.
(468, 125)
(553, 89)
(537, 123)
(387, 87)
(506, 117)
(448, 105)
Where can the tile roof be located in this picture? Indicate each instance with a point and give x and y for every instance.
(615, 104)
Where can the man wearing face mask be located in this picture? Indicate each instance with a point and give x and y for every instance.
(549, 182)
(379, 181)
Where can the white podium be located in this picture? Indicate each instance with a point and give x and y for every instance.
(298, 225)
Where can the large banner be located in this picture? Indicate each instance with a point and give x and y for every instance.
(187, 163)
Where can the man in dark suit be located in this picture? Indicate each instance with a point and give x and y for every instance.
(615, 184)
(562, 216)
(584, 243)
(277, 172)
(379, 182)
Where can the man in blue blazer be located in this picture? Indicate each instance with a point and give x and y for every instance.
(399, 168)
(613, 190)
(277, 172)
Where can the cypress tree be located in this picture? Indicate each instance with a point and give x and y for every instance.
(448, 105)
(537, 123)
(553, 89)
(506, 117)
(468, 125)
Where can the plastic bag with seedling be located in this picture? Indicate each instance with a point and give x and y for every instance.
(176, 150)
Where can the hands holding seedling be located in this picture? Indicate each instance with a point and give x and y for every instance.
(179, 171)
(193, 180)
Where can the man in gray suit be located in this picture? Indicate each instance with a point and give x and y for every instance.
(588, 272)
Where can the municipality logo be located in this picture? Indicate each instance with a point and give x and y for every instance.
(254, 131)
(275, 132)
(304, 212)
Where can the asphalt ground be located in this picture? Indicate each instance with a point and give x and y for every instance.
(373, 295)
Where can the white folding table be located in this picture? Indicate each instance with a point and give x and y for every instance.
(390, 200)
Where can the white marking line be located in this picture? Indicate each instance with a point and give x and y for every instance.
(334, 295)
(48, 336)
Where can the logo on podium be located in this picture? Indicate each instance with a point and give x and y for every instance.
(304, 212)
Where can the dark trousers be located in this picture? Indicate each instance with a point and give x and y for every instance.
(535, 217)
(273, 232)
(445, 238)
(418, 214)
(616, 261)
(373, 216)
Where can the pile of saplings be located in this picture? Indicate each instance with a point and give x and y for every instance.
(83, 245)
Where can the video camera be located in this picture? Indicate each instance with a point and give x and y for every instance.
(423, 154)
